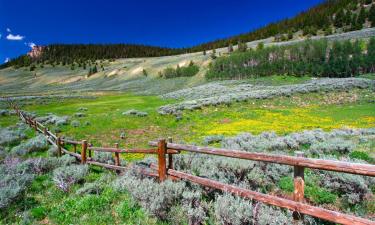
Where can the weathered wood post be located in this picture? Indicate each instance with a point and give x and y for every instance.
(162, 167)
(170, 156)
(75, 148)
(90, 151)
(299, 185)
(58, 143)
(35, 126)
(117, 155)
(83, 152)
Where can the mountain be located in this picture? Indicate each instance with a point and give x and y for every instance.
(331, 16)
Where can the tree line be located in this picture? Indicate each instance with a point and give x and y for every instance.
(328, 16)
(315, 58)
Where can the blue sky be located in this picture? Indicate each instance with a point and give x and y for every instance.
(170, 23)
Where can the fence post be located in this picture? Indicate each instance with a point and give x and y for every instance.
(75, 148)
(35, 126)
(117, 156)
(45, 131)
(162, 168)
(58, 143)
(83, 152)
(170, 156)
(90, 150)
(299, 185)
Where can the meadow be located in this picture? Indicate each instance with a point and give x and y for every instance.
(279, 125)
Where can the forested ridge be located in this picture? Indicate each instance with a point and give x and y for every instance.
(315, 58)
(329, 17)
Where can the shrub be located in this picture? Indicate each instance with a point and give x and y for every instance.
(332, 146)
(51, 163)
(12, 135)
(361, 155)
(319, 195)
(95, 187)
(53, 119)
(135, 113)
(38, 212)
(15, 177)
(104, 157)
(286, 184)
(156, 198)
(66, 176)
(212, 139)
(38, 143)
(226, 92)
(75, 123)
(343, 183)
(79, 114)
(273, 216)
(233, 210)
(52, 151)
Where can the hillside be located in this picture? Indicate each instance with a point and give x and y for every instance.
(271, 127)
(329, 17)
(128, 74)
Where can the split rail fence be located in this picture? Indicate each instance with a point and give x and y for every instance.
(165, 150)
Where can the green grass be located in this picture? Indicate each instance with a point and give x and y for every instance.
(6, 121)
(313, 192)
(283, 115)
(44, 202)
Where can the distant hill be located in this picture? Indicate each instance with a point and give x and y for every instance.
(331, 16)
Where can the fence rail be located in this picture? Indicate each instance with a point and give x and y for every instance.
(164, 170)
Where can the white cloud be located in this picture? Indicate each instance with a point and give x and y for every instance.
(7, 60)
(17, 37)
(8, 30)
(31, 44)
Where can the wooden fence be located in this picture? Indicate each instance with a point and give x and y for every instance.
(165, 150)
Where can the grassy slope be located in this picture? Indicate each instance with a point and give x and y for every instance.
(118, 75)
(283, 115)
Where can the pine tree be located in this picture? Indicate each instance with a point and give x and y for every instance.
(94, 69)
(348, 17)
(371, 16)
(339, 18)
(361, 17)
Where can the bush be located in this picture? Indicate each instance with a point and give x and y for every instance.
(233, 210)
(332, 146)
(66, 176)
(156, 198)
(362, 156)
(75, 123)
(38, 143)
(104, 157)
(15, 176)
(319, 195)
(135, 113)
(95, 187)
(38, 212)
(12, 135)
(273, 216)
(226, 92)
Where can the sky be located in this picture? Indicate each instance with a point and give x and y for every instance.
(167, 23)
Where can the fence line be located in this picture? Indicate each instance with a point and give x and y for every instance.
(164, 170)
